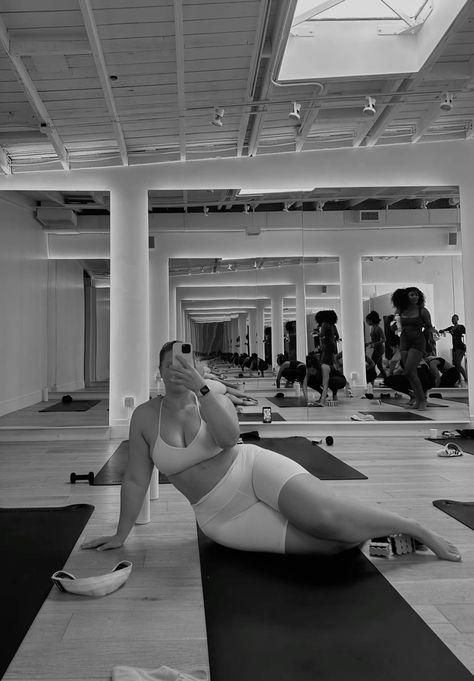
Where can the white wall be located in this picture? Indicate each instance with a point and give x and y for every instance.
(23, 294)
(65, 326)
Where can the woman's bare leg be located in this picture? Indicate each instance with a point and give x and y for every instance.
(412, 360)
(299, 542)
(314, 509)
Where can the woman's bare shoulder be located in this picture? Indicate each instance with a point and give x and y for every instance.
(147, 410)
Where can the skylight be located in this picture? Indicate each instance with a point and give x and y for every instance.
(345, 38)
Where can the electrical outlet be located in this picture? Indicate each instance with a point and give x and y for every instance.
(129, 402)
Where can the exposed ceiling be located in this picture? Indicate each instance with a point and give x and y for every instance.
(88, 83)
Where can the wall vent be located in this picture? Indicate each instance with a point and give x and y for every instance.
(151, 243)
(369, 216)
(452, 239)
(324, 289)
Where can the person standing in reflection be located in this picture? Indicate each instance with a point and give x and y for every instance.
(377, 340)
(414, 320)
(457, 332)
(328, 335)
(322, 377)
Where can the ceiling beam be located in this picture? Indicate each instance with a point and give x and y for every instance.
(314, 11)
(258, 55)
(425, 123)
(308, 121)
(179, 44)
(5, 162)
(31, 92)
(99, 59)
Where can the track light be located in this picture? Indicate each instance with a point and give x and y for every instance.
(218, 115)
(447, 103)
(294, 114)
(246, 208)
(369, 108)
(205, 210)
(286, 208)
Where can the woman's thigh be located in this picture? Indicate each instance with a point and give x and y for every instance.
(299, 542)
(412, 360)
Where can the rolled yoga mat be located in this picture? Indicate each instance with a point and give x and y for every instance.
(75, 405)
(396, 415)
(35, 543)
(460, 510)
(307, 618)
(315, 459)
(113, 470)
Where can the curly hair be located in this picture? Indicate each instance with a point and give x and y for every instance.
(373, 317)
(400, 299)
(312, 361)
(328, 316)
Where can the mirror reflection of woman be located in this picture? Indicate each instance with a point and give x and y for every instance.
(457, 332)
(244, 497)
(415, 321)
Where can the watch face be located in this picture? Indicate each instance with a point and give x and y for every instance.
(204, 390)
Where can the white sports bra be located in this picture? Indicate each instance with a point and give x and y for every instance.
(172, 460)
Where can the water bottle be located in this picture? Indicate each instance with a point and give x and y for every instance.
(297, 389)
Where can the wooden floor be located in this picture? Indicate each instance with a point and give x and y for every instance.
(157, 617)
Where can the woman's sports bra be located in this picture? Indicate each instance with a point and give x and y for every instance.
(172, 460)
(412, 323)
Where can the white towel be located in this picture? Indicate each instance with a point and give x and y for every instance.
(122, 673)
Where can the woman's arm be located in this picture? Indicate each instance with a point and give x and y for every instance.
(217, 410)
(426, 317)
(134, 485)
(304, 386)
(280, 372)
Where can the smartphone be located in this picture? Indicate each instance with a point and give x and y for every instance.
(185, 351)
(266, 414)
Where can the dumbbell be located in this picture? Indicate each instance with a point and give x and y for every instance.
(87, 476)
(66, 399)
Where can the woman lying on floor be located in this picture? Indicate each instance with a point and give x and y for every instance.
(244, 497)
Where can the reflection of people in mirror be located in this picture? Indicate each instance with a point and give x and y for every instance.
(328, 335)
(415, 322)
(444, 373)
(377, 340)
(457, 332)
(244, 497)
(290, 370)
(322, 377)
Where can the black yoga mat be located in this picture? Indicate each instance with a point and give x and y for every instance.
(396, 416)
(290, 401)
(466, 444)
(404, 403)
(257, 416)
(75, 405)
(460, 510)
(35, 543)
(463, 400)
(307, 618)
(315, 459)
(113, 470)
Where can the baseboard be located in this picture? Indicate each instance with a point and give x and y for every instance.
(15, 403)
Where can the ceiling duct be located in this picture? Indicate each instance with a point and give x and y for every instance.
(57, 218)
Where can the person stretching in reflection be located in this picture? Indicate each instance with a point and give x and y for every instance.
(377, 340)
(415, 320)
(290, 370)
(321, 377)
(243, 496)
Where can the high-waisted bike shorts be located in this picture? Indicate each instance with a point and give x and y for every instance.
(241, 511)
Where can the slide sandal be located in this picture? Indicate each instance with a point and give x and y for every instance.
(450, 449)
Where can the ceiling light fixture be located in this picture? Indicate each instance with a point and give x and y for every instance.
(294, 114)
(369, 108)
(246, 208)
(218, 115)
(205, 210)
(285, 207)
(447, 103)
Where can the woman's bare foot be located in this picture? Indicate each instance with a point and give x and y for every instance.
(442, 547)
(420, 406)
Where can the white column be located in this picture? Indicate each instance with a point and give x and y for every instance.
(159, 306)
(260, 330)
(252, 331)
(172, 312)
(467, 237)
(277, 325)
(301, 333)
(242, 322)
(352, 321)
(129, 302)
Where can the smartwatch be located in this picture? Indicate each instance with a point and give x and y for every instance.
(204, 390)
